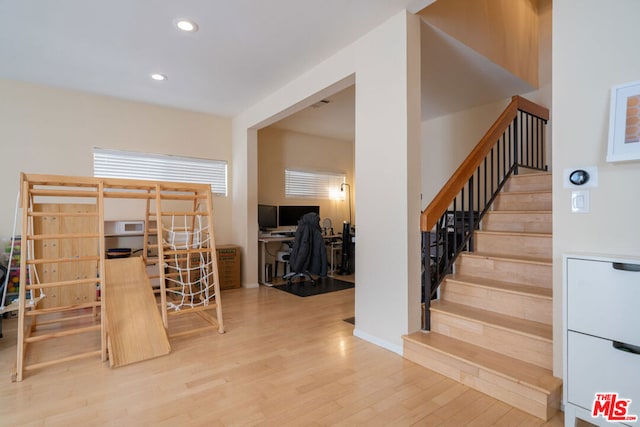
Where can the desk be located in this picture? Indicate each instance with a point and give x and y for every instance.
(263, 241)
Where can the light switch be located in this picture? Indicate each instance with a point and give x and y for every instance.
(580, 201)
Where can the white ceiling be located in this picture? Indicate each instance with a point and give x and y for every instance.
(244, 50)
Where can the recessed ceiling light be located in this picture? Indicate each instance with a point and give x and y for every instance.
(187, 26)
(159, 77)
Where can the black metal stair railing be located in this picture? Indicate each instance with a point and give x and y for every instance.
(517, 139)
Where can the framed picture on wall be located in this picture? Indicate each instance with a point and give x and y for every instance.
(624, 123)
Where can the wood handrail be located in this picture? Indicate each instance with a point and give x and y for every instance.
(443, 199)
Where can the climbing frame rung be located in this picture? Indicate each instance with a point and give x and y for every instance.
(187, 251)
(63, 193)
(75, 357)
(67, 319)
(211, 306)
(45, 311)
(62, 214)
(185, 213)
(59, 260)
(64, 283)
(60, 334)
(63, 236)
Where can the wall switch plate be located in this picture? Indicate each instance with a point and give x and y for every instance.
(580, 202)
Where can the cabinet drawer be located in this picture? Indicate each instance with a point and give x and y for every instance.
(603, 301)
(595, 366)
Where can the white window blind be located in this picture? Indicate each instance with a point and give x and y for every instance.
(159, 167)
(311, 184)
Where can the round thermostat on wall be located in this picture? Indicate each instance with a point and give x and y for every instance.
(579, 177)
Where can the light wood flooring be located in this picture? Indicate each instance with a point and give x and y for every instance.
(283, 360)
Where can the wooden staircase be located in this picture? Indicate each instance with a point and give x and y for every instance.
(491, 329)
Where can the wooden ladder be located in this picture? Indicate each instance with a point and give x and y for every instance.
(64, 255)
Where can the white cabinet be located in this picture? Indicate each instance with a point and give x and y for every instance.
(601, 313)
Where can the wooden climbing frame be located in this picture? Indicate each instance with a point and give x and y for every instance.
(63, 261)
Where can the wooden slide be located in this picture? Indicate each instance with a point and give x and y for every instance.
(135, 331)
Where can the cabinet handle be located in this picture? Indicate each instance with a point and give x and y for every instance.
(626, 267)
(626, 347)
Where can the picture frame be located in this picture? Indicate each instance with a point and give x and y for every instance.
(624, 123)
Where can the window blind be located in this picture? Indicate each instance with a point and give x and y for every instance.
(160, 167)
(312, 184)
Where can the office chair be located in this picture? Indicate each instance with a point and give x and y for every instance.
(309, 254)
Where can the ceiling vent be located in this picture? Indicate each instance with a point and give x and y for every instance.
(320, 103)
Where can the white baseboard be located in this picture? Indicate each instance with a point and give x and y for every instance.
(379, 342)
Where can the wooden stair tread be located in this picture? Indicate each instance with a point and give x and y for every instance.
(510, 287)
(512, 369)
(514, 233)
(530, 328)
(516, 258)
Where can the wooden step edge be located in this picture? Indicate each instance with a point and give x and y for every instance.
(514, 233)
(488, 318)
(498, 363)
(518, 193)
(520, 258)
(532, 174)
(521, 212)
(502, 286)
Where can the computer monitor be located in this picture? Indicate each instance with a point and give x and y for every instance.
(267, 217)
(290, 215)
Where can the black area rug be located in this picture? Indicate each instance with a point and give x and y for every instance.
(322, 285)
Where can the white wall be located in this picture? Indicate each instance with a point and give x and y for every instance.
(595, 46)
(279, 149)
(385, 63)
(388, 182)
(53, 131)
(448, 140)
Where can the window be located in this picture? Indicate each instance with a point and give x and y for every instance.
(310, 184)
(159, 167)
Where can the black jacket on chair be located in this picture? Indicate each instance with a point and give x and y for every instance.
(309, 254)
